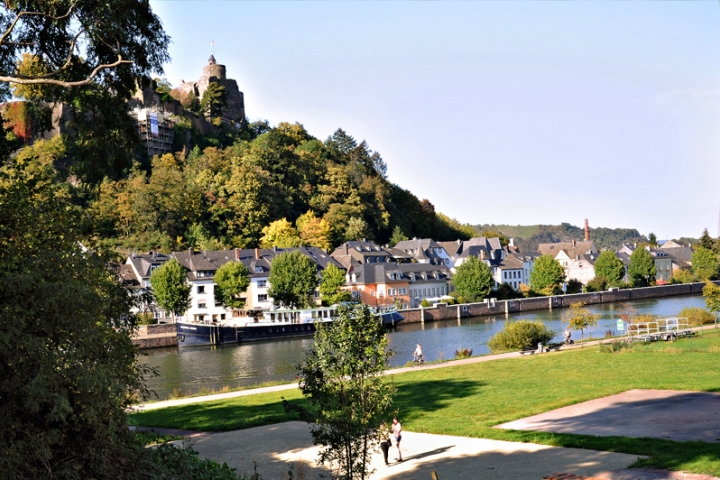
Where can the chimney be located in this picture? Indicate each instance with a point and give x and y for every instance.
(482, 254)
(587, 230)
(237, 254)
(191, 251)
(574, 243)
(346, 248)
(257, 254)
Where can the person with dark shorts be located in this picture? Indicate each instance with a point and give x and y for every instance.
(385, 447)
(397, 433)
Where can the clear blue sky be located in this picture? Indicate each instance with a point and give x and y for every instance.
(497, 112)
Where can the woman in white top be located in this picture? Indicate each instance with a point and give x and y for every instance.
(397, 434)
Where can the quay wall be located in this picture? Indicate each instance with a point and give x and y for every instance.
(155, 336)
(492, 307)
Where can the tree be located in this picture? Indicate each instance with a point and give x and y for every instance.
(706, 241)
(579, 318)
(68, 368)
(704, 264)
(397, 236)
(314, 231)
(642, 267)
(357, 229)
(546, 275)
(711, 292)
(333, 279)
(280, 233)
(170, 287)
(77, 43)
(473, 279)
(214, 99)
(231, 281)
(652, 240)
(292, 279)
(610, 267)
(342, 375)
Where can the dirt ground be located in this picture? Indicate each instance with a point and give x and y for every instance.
(669, 414)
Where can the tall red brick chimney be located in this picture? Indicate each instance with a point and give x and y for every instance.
(587, 230)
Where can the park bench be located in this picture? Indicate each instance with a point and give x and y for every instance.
(553, 346)
(530, 350)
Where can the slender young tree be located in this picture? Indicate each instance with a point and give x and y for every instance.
(342, 376)
(231, 281)
(580, 318)
(170, 287)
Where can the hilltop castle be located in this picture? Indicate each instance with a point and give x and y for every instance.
(213, 72)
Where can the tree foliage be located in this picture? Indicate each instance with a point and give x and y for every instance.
(547, 275)
(580, 318)
(68, 369)
(473, 279)
(342, 375)
(214, 99)
(642, 267)
(520, 334)
(292, 279)
(704, 263)
(610, 267)
(706, 240)
(711, 292)
(231, 281)
(333, 279)
(170, 287)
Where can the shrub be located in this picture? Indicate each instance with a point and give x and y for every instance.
(597, 284)
(520, 334)
(505, 292)
(146, 318)
(424, 303)
(683, 275)
(697, 316)
(463, 353)
(574, 286)
(616, 347)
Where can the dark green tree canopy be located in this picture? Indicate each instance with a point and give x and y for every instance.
(170, 287)
(81, 42)
(292, 279)
(706, 240)
(231, 282)
(214, 99)
(609, 267)
(547, 275)
(642, 267)
(473, 279)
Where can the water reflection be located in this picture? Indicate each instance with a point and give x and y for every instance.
(191, 369)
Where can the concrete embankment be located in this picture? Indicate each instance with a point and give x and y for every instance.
(155, 336)
(490, 307)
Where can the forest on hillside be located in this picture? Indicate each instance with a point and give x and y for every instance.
(275, 185)
(528, 237)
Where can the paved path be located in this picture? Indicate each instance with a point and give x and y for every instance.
(273, 447)
(671, 414)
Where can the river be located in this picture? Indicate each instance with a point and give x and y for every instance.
(190, 369)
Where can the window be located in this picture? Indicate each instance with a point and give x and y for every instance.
(372, 293)
(258, 269)
(201, 305)
(403, 291)
(201, 289)
(262, 297)
(262, 283)
(222, 316)
(356, 294)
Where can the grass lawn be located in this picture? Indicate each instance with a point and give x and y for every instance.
(468, 400)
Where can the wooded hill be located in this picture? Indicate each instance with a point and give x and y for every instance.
(528, 237)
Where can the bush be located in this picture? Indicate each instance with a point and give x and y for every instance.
(683, 275)
(574, 286)
(424, 303)
(697, 316)
(146, 318)
(505, 292)
(616, 347)
(597, 284)
(520, 334)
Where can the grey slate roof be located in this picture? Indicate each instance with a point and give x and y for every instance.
(143, 262)
(572, 249)
(380, 273)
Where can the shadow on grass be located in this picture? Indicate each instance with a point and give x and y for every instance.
(217, 417)
(413, 399)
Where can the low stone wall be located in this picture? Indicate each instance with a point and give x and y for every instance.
(447, 312)
(156, 336)
(162, 328)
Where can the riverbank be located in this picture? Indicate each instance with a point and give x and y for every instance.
(500, 307)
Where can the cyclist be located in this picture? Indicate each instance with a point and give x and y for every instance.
(418, 355)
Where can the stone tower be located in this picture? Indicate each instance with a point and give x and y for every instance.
(213, 72)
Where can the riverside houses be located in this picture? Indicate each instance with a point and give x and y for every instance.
(378, 284)
(136, 271)
(201, 267)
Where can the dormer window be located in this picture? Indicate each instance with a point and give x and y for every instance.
(258, 269)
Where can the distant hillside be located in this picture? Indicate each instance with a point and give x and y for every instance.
(527, 237)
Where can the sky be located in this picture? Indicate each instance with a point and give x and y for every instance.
(504, 112)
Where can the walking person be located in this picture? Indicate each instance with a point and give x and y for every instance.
(397, 433)
(566, 336)
(385, 447)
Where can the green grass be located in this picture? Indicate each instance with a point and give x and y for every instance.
(468, 400)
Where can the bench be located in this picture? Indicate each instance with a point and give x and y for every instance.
(553, 346)
(530, 350)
